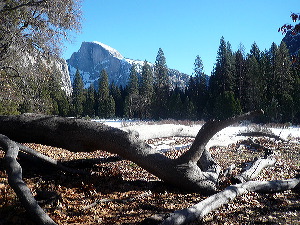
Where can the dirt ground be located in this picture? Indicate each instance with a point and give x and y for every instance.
(120, 192)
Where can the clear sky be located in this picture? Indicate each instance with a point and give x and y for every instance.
(182, 28)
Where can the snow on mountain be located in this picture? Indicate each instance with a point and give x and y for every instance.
(111, 50)
(93, 57)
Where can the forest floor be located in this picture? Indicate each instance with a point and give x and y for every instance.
(120, 192)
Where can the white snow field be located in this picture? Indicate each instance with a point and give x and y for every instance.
(225, 137)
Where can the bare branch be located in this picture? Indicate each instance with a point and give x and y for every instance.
(207, 131)
(30, 3)
(215, 201)
(14, 172)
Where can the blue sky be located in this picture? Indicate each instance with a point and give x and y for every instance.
(182, 28)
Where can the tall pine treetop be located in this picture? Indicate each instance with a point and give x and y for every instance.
(133, 83)
(161, 70)
(198, 66)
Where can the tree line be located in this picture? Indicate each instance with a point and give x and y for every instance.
(239, 82)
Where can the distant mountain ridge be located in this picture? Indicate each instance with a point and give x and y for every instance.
(92, 57)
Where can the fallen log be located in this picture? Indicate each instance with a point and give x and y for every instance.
(195, 170)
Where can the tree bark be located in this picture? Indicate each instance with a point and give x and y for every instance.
(195, 170)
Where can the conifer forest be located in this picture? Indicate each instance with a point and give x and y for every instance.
(240, 82)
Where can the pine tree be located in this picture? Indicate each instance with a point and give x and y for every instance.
(284, 82)
(226, 106)
(103, 85)
(175, 104)
(115, 92)
(106, 103)
(90, 102)
(162, 85)
(78, 95)
(133, 98)
(296, 91)
(240, 72)
(222, 80)
(161, 71)
(198, 83)
(255, 52)
(255, 85)
(189, 110)
(224, 70)
(146, 91)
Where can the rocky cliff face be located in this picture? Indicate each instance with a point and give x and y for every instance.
(61, 67)
(93, 57)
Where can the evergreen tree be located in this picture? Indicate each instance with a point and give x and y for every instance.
(161, 71)
(78, 95)
(133, 98)
(296, 91)
(103, 85)
(226, 106)
(162, 85)
(90, 102)
(189, 110)
(240, 72)
(284, 82)
(255, 52)
(199, 89)
(60, 100)
(146, 91)
(175, 104)
(224, 70)
(255, 84)
(110, 107)
(115, 92)
(106, 103)
(222, 79)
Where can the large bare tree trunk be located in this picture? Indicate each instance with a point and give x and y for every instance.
(195, 170)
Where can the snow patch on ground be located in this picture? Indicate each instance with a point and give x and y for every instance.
(224, 138)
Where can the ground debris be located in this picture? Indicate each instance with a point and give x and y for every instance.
(120, 192)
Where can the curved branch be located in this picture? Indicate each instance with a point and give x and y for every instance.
(207, 131)
(14, 172)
